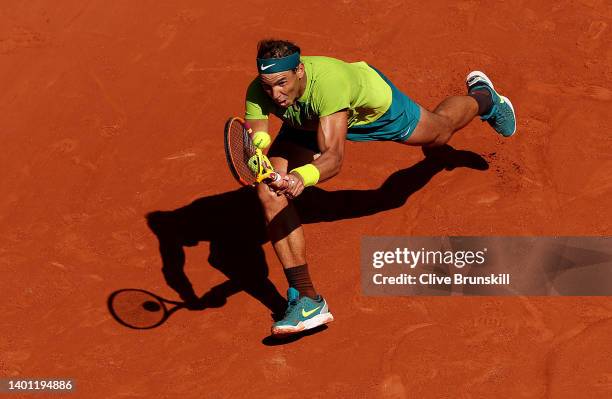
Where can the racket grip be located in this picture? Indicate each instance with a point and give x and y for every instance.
(273, 178)
(283, 184)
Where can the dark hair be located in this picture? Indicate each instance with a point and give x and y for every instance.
(271, 48)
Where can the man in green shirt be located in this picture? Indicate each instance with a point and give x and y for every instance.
(322, 102)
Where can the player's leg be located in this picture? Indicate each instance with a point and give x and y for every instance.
(284, 227)
(305, 308)
(437, 127)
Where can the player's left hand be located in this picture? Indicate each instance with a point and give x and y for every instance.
(295, 185)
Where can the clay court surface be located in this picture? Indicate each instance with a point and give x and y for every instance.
(112, 110)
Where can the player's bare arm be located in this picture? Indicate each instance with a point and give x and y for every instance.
(331, 135)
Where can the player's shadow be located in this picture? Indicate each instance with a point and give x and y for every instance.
(233, 223)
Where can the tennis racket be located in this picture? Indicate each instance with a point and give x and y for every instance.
(140, 309)
(248, 164)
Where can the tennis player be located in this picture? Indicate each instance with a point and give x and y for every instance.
(322, 102)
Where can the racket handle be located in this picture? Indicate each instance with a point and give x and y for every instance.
(273, 178)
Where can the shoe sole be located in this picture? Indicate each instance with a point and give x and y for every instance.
(485, 79)
(316, 321)
(481, 75)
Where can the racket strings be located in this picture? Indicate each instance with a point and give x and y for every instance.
(138, 309)
(242, 149)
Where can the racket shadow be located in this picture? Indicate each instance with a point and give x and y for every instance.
(234, 225)
(140, 309)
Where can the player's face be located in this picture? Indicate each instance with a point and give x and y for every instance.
(284, 88)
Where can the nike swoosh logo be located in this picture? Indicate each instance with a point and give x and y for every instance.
(306, 314)
(263, 68)
(405, 133)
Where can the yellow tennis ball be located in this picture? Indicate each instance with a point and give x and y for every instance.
(253, 164)
(261, 139)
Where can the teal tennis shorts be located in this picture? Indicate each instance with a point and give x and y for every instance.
(397, 124)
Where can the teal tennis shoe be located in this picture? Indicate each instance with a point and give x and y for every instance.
(302, 314)
(501, 117)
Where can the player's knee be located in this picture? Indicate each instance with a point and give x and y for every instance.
(443, 130)
(268, 198)
(433, 129)
(445, 124)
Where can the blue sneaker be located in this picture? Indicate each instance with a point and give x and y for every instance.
(501, 117)
(302, 314)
